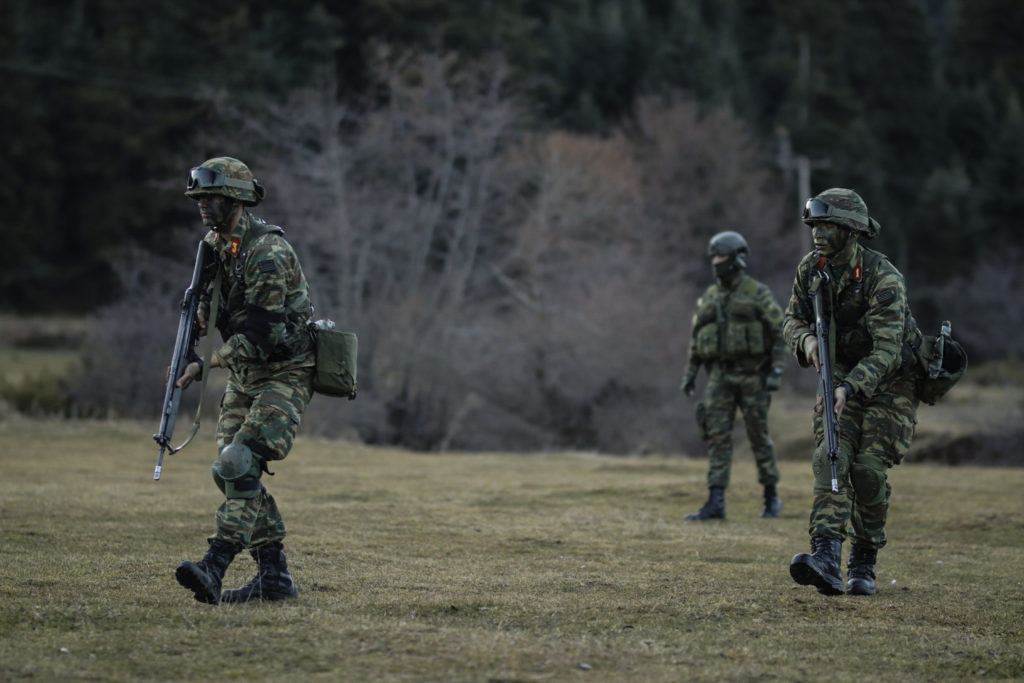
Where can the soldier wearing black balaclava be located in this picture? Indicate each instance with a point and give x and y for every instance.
(737, 337)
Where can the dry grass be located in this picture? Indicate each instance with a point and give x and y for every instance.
(558, 566)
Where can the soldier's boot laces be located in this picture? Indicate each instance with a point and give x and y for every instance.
(272, 580)
(772, 503)
(821, 568)
(203, 577)
(713, 509)
(860, 571)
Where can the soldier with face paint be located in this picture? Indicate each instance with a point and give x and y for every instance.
(264, 308)
(737, 337)
(865, 299)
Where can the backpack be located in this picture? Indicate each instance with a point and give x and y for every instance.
(936, 363)
(940, 363)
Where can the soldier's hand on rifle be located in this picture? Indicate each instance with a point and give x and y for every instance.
(842, 393)
(811, 351)
(193, 371)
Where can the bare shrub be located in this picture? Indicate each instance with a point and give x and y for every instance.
(396, 200)
(983, 306)
(129, 343)
(510, 289)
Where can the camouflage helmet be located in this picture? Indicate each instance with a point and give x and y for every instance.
(225, 176)
(842, 207)
(729, 243)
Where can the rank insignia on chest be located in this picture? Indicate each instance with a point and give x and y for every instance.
(858, 273)
(235, 244)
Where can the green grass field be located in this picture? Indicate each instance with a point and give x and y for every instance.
(488, 567)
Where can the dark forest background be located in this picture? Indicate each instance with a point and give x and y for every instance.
(508, 200)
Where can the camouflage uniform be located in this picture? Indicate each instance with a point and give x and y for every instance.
(877, 423)
(865, 300)
(269, 354)
(263, 312)
(737, 336)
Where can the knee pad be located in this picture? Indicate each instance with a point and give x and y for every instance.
(237, 472)
(822, 467)
(869, 485)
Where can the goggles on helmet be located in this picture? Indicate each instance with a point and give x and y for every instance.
(817, 210)
(204, 177)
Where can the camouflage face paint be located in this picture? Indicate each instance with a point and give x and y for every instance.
(829, 238)
(215, 210)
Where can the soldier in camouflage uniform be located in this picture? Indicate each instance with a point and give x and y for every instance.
(263, 314)
(866, 301)
(737, 336)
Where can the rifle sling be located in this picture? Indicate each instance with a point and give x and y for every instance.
(824, 279)
(211, 326)
(831, 323)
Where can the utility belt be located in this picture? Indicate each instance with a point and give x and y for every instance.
(297, 341)
(747, 366)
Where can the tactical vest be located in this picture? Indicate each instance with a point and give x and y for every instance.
(233, 292)
(936, 366)
(728, 325)
(853, 342)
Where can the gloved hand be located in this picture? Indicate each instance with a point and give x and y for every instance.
(689, 385)
(811, 351)
(773, 380)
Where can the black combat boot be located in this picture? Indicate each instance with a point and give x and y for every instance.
(714, 508)
(860, 569)
(772, 502)
(272, 580)
(820, 569)
(203, 577)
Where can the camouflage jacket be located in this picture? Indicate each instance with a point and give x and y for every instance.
(264, 303)
(738, 322)
(866, 301)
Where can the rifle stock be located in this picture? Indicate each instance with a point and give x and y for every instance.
(825, 374)
(184, 353)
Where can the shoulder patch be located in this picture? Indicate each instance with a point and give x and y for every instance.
(267, 266)
(885, 298)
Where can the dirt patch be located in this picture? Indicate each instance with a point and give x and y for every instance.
(974, 449)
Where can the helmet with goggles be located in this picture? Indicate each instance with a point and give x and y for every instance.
(225, 176)
(842, 207)
(731, 244)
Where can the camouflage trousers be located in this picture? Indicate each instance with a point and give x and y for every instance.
(727, 391)
(263, 413)
(874, 435)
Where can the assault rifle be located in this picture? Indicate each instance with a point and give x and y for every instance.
(185, 353)
(825, 372)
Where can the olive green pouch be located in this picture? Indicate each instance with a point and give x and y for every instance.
(336, 354)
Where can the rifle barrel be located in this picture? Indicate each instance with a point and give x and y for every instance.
(825, 376)
(184, 343)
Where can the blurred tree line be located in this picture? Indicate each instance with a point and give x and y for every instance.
(509, 200)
